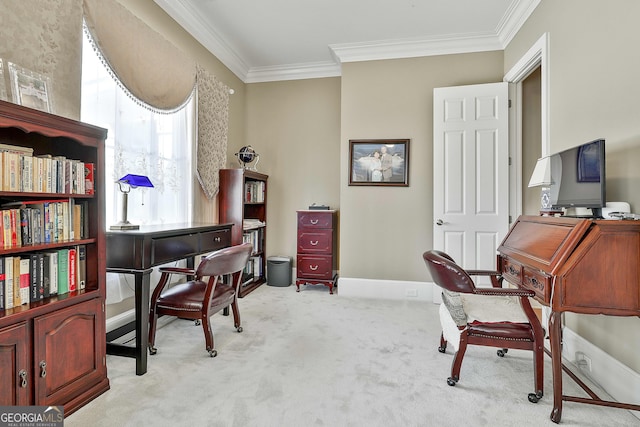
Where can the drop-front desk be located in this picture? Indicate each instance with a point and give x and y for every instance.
(137, 252)
(577, 265)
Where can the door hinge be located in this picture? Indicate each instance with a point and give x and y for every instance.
(509, 104)
(509, 160)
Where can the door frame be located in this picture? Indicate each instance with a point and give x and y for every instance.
(536, 56)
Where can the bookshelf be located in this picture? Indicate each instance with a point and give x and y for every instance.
(242, 201)
(53, 325)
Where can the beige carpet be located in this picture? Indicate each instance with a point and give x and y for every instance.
(314, 359)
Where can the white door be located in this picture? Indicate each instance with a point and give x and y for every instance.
(471, 172)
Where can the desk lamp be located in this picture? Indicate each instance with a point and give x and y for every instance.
(125, 184)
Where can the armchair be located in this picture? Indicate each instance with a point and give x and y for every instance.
(202, 296)
(495, 317)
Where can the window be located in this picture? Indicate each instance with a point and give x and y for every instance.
(142, 142)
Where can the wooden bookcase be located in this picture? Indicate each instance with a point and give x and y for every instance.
(242, 197)
(52, 351)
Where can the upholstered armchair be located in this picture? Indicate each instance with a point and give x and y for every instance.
(495, 316)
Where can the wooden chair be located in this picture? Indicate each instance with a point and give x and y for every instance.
(495, 317)
(204, 295)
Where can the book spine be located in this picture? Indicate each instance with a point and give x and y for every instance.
(2, 284)
(33, 278)
(16, 282)
(8, 280)
(53, 272)
(81, 255)
(89, 181)
(46, 275)
(63, 271)
(25, 280)
(72, 269)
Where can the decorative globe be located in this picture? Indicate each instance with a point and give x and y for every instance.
(247, 155)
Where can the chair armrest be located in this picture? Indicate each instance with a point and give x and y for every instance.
(511, 292)
(178, 270)
(496, 276)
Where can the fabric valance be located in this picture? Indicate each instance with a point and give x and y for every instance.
(150, 67)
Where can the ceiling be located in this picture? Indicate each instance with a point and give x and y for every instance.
(268, 40)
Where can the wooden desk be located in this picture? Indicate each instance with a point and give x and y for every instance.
(577, 265)
(137, 252)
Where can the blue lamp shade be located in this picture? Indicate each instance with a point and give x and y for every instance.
(126, 183)
(136, 180)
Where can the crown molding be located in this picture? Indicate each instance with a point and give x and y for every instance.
(193, 23)
(311, 70)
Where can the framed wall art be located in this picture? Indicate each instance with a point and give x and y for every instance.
(379, 162)
(30, 89)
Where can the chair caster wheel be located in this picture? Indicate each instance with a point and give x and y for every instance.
(451, 381)
(152, 350)
(213, 353)
(502, 352)
(239, 329)
(442, 349)
(534, 397)
(197, 322)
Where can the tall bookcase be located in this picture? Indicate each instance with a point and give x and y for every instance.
(53, 349)
(242, 201)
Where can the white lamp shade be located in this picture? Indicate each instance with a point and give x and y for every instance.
(541, 173)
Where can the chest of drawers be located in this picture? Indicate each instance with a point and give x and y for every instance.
(316, 249)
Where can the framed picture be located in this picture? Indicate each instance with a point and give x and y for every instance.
(3, 87)
(29, 89)
(379, 162)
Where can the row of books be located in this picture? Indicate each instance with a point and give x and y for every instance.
(42, 221)
(253, 270)
(255, 238)
(31, 278)
(254, 191)
(21, 171)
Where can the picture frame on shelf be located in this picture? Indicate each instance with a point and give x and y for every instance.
(3, 85)
(379, 162)
(30, 89)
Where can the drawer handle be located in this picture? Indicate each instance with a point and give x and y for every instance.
(216, 239)
(23, 378)
(313, 267)
(314, 221)
(313, 242)
(43, 369)
(512, 270)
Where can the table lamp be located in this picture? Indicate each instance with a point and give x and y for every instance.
(541, 177)
(125, 184)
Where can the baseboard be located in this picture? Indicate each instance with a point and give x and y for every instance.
(385, 289)
(616, 379)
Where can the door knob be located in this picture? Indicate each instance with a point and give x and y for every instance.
(439, 222)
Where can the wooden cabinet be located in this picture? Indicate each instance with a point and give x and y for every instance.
(242, 201)
(316, 254)
(52, 350)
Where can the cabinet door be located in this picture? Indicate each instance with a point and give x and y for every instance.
(68, 352)
(15, 373)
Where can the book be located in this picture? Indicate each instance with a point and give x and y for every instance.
(16, 282)
(72, 270)
(2, 284)
(63, 271)
(25, 226)
(8, 281)
(27, 174)
(46, 274)
(36, 286)
(89, 178)
(53, 272)
(6, 227)
(25, 280)
(81, 276)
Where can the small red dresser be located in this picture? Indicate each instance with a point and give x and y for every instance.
(317, 243)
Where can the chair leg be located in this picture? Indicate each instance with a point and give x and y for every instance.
(457, 360)
(236, 315)
(208, 334)
(443, 344)
(153, 320)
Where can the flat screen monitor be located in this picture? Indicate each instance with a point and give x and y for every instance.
(578, 177)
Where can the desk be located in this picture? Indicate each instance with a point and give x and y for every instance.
(137, 252)
(578, 265)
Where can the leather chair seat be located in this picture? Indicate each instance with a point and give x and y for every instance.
(189, 296)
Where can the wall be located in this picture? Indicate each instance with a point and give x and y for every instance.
(295, 127)
(594, 93)
(385, 230)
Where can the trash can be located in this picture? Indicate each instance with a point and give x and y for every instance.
(278, 271)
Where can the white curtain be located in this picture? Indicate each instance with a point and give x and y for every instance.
(142, 142)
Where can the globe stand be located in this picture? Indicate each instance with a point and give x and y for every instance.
(245, 156)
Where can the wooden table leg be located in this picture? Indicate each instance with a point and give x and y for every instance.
(555, 332)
